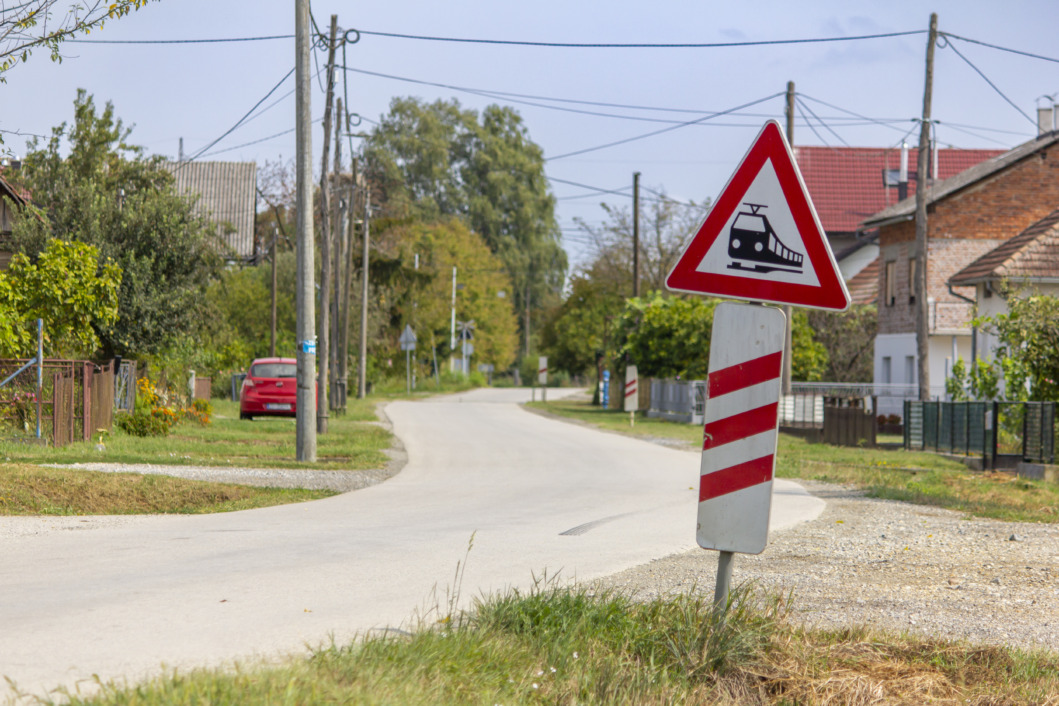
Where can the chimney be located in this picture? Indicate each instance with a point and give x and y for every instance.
(1045, 120)
(902, 178)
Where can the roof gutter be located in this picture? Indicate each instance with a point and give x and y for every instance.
(974, 330)
(868, 225)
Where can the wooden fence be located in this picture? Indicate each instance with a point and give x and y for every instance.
(849, 426)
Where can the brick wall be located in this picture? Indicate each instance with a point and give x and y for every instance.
(961, 228)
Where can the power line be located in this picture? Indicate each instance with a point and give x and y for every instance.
(992, 85)
(180, 41)
(663, 130)
(948, 35)
(258, 141)
(822, 123)
(241, 120)
(639, 45)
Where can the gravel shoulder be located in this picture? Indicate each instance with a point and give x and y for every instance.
(893, 566)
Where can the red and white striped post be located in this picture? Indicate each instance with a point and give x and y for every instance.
(632, 392)
(542, 376)
(740, 433)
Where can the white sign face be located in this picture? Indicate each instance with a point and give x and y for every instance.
(632, 389)
(740, 431)
(764, 242)
(542, 370)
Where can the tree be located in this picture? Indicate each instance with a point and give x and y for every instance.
(1029, 346)
(107, 194)
(40, 23)
(665, 229)
(849, 339)
(68, 289)
(427, 161)
(581, 333)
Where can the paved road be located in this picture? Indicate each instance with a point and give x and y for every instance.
(121, 597)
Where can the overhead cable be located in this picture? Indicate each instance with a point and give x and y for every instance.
(949, 35)
(640, 45)
(224, 40)
(663, 130)
(822, 123)
(992, 85)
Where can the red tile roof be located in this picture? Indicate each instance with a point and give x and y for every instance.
(1032, 254)
(846, 183)
(864, 286)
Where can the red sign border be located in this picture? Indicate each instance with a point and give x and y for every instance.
(830, 294)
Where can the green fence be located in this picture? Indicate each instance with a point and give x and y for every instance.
(999, 432)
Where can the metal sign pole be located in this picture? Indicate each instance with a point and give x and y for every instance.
(724, 581)
(40, 369)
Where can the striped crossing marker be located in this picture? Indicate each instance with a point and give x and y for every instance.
(740, 432)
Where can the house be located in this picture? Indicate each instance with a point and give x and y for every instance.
(969, 215)
(225, 193)
(849, 184)
(12, 199)
(1026, 264)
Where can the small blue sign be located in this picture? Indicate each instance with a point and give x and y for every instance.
(309, 347)
(605, 390)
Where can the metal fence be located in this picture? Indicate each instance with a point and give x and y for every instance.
(1001, 433)
(678, 400)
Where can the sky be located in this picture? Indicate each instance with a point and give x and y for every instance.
(864, 92)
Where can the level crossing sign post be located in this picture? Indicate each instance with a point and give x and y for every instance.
(408, 344)
(632, 393)
(542, 377)
(761, 241)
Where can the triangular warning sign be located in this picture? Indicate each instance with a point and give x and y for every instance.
(762, 240)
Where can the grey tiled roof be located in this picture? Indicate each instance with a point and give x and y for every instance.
(906, 208)
(227, 194)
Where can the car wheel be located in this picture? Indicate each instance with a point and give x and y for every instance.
(244, 415)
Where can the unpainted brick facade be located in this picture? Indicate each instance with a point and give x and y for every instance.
(962, 227)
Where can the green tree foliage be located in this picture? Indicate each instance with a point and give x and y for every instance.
(426, 302)
(1028, 352)
(583, 327)
(434, 160)
(848, 337)
(46, 23)
(667, 337)
(67, 289)
(107, 194)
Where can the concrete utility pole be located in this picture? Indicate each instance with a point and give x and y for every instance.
(636, 234)
(362, 373)
(337, 252)
(922, 310)
(305, 443)
(324, 406)
(347, 285)
(275, 242)
(788, 342)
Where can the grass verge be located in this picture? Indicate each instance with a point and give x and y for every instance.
(574, 645)
(33, 490)
(911, 476)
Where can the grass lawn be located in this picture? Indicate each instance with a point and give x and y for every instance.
(580, 646)
(912, 476)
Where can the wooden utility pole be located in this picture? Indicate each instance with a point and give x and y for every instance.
(347, 285)
(788, 341)
(305, 439)
(323, 407)
(362, 372)
(636, 234)
(922, 310)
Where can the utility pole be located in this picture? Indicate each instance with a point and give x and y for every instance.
(347, 286)
(324, 407)
(788, 341)
(275, 242)
(337, 232)
(305, 444)
(362, 373)
(922, 310)
(636, 234)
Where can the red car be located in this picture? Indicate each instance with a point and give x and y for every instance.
(270, 389)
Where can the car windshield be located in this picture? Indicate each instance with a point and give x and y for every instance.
(274, 370)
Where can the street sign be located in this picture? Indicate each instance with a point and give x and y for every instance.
(632, 384)
(408, 339)
(762, 239)
(740, 432)
(542, 370)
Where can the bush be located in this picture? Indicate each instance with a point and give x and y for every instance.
(143, 423)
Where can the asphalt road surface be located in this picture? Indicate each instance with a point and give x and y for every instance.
(124, 598)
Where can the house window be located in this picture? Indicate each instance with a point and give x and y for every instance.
(910, 369)
(911, 280)
(887, 376)
(890, 284)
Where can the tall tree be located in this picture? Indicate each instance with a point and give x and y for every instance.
(26, 26)
(107, 194)
(434, 160)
